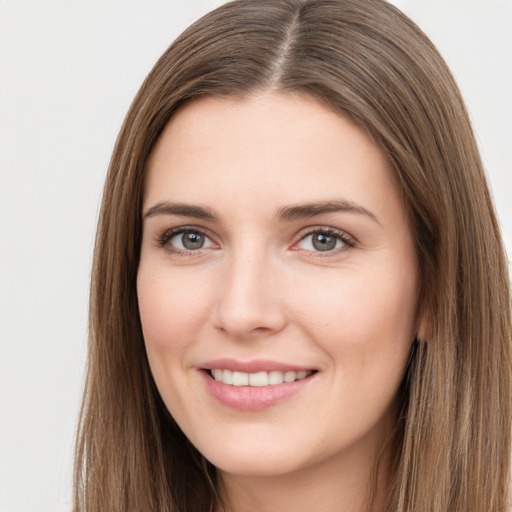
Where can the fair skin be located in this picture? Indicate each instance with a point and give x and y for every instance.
(275, 240)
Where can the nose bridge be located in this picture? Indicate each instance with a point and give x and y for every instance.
(248, 302)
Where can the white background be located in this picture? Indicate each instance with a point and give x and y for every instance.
(68, 72)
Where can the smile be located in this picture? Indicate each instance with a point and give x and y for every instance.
(263, 384)
(258, 379)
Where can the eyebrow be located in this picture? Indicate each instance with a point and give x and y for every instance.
(307, 210)
(285, 213)
(182, 209)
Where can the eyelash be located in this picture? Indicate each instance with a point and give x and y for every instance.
(163, 240)
(347, 241)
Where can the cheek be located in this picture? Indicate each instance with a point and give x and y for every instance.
(363, 318)
(173, 308)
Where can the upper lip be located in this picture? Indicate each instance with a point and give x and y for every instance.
(254, 366)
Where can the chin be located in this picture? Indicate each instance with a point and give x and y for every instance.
(256, 465)
(256, 457)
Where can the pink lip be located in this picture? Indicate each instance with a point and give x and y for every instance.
(251, 398)
(254, 366)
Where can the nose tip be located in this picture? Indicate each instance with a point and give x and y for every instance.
(249, 302)
(242, 326)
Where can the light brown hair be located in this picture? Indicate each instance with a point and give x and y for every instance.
(365, 60)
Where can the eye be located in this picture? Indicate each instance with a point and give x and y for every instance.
(189, 241)
(185, 240)
(324, 240)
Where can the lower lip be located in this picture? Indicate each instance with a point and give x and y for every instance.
(253, 398)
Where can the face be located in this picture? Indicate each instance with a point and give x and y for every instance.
(277, 283)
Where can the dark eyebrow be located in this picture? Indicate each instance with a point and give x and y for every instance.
(182, 209)
(301, 211)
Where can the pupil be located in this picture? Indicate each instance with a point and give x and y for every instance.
(324, 242)
(193, 240)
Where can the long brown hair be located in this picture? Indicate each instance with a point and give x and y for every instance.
(365, 60)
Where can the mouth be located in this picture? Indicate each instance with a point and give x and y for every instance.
(256, 384)
(257, 379)
(263, 384)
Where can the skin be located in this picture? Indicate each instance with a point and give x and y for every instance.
(260, 289)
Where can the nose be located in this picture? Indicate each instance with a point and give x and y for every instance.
(250, 301)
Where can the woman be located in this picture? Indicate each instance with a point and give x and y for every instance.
(299, 296)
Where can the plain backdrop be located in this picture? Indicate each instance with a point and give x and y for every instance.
(68, 72)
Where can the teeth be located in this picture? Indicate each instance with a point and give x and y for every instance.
(239, 378)
(258, 379)
(290, 376)
(275, 378)
(227, 376)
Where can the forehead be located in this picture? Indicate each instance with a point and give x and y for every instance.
(289, 148)
(294, 118)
